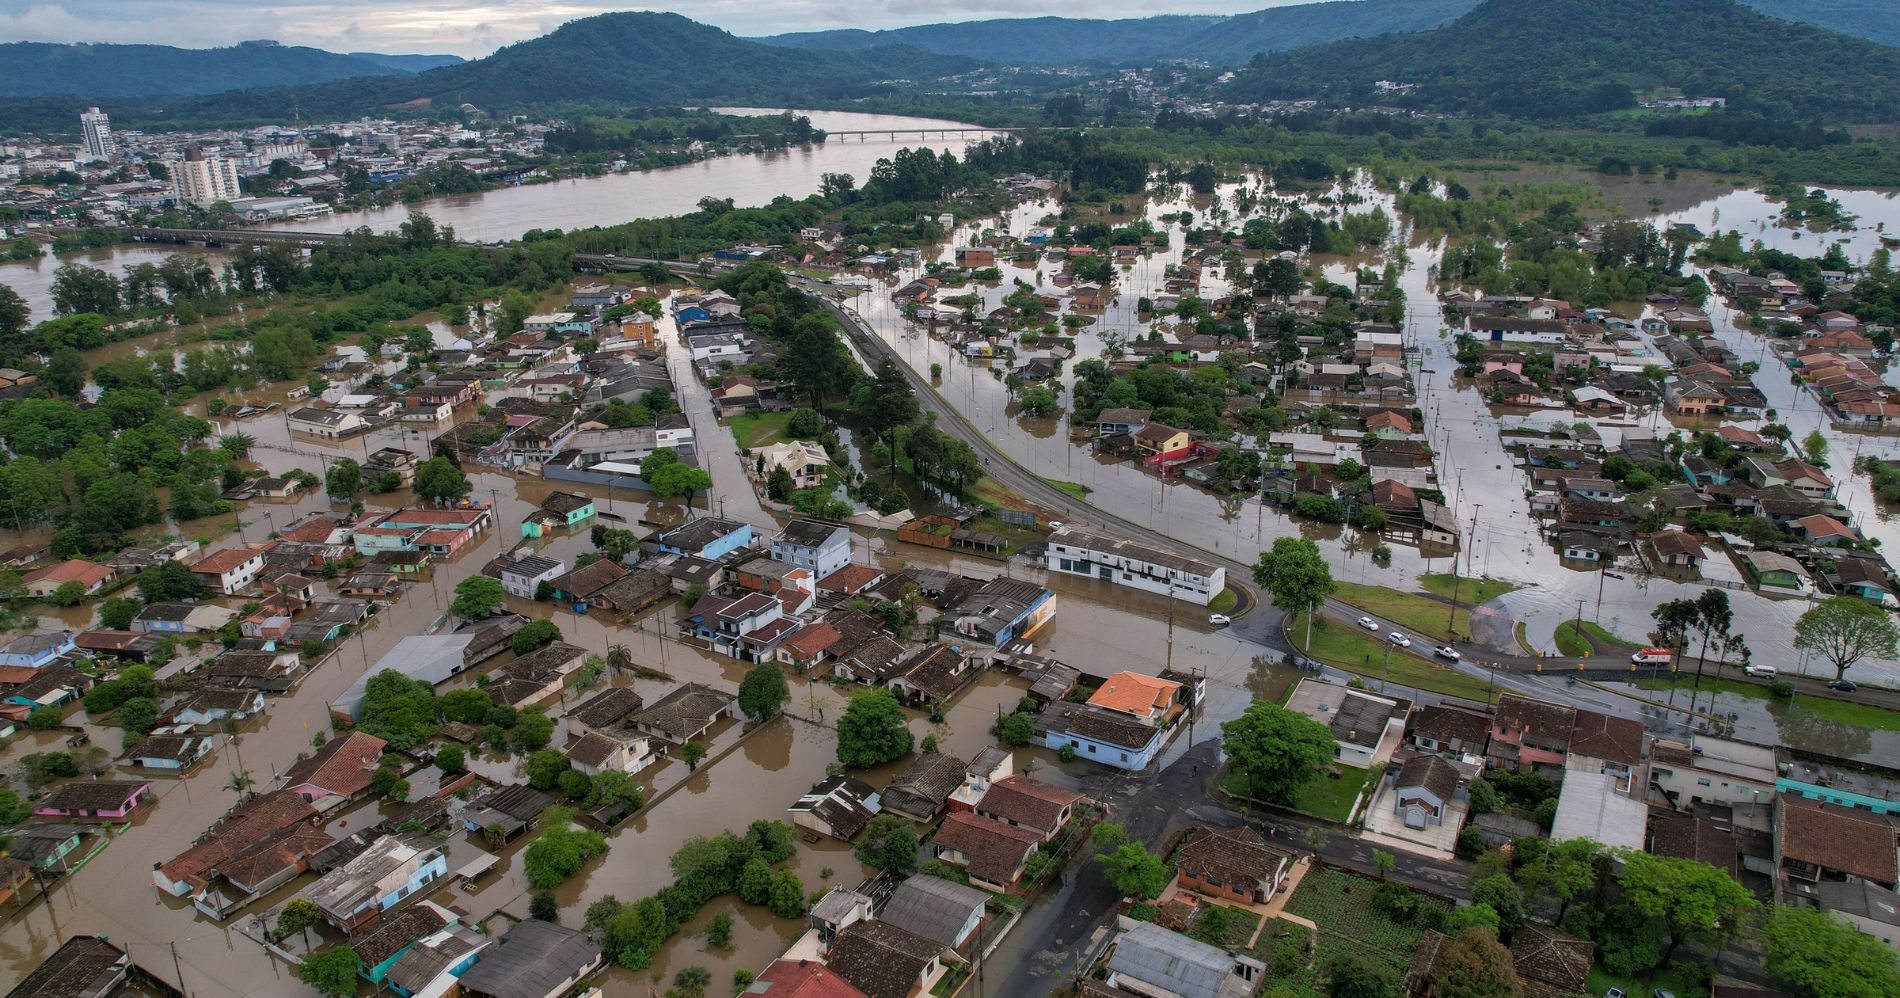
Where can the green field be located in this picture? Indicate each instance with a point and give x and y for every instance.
(1860, 715)
(1340, 904)
(1354, 650)
(759, 429)
(1570, 641)
(1411, 611)
(1325, 797)
(1471, 592)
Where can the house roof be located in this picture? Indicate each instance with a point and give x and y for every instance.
(1837, 838)
(1557, 958)
(343, 766)
(926, 785)
(82, 967)
(593, 748)
(1601, 736)
(1134, 693)
(245, 824)
(801, 979)
(808, 533)
(588, 579)
(1672, 543)
(1544, 720)
(72, 570)
(811, 641)
(685, 711)
(607, 709)
(92, 795)
(698, 533)
(1157, 433)
(881, 959)
(1444, 723)
(1435, 775)
(394, 931)
(1236, 856)
(844, 803)
(1027, 802)
(850, 578)
(1095, 724)
(1700, 839)
(224, 561)
(934, 908)
(534, 959)
(1171, 962)
(996, 850)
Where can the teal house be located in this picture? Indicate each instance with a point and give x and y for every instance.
(560, 509)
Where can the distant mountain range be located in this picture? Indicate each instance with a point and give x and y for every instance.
(410, 63)
(1557, 58)
(1234, 40)
(39, 69)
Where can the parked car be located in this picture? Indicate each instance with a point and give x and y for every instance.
(1399, 639)
(1843, 686)
(1368, 623)
(1219, 619)
(1614, 993)
(1447, 652)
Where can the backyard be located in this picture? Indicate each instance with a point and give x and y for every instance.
(1349, 920)
(753, 430)
(1326, 797)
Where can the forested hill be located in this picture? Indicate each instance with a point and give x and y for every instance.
(632, 58)
(410, 63)
(1278, 29)
(1875, 20)
(37, 69)
(1557, 58)
(1031, 40)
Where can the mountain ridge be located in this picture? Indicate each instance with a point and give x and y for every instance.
(45, 69)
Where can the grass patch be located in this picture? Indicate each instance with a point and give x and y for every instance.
(1076, 489)
(1573, 641)
(1223, 602)
(1471, 591)
(1354, 650)
(1678, 981)
(995, 495)
(1409, 610)
(759, 429)
(1860, 715)
(1325, 797)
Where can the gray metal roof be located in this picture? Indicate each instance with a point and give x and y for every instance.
(1160, 958)
(933, 907)
(533, 961)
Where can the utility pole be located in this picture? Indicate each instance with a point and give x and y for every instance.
(180, 971)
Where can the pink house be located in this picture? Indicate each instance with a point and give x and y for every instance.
(343, 767)
(1503, 360)
(1526, 734)
(113, 799)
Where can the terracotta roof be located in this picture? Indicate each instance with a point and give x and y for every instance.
(811, 641)
(345, 765)
(801, 979)
(1027, 802)
(73, 570)
(1854, 842)
(224, 561)
(593, 748)
(1444, 724)
(1545, 720)
(850, 579)
(1600, 736)
(1134, 693)
(996, 850)
(247, 823)
(1670, 543)
(588, 579)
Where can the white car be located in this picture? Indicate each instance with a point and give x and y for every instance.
(1055, 524)
(1368, 623)
(1399, 639)
(1446, 652)
(1219, 619)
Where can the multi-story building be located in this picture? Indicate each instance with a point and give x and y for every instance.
(1095, 556)
(96, 128)
(205, 180)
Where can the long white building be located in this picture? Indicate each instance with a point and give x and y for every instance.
(205, 180)
(1126, 563)
(96, 128)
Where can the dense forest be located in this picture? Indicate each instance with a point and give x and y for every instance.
(38, 69)
(1511, 57)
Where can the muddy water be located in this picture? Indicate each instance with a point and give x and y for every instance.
(1477, 475)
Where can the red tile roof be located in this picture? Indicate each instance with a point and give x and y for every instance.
(1027, 802)
(224, 561)
(71, 571)
(344, 765)
(802, 979)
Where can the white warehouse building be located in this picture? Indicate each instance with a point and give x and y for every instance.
(1126, 563)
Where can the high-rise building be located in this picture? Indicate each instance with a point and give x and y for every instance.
(205, 180)
(96, 126)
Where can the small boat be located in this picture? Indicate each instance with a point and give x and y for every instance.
(1613, 575)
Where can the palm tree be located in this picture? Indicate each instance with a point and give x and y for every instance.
(237, 444)
(619, 657)
(240, 782)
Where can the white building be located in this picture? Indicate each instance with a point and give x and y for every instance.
(204, 180)
(96, 128)
(1126, 563)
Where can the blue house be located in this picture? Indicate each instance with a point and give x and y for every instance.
(382, 944)
(823, 548)
(377, 879)
(36, 650)
(709, 537)
(1100, 735)
(691, 313)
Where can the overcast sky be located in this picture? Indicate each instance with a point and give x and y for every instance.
(474, 28)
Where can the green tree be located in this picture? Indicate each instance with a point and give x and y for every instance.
(763, 691)
(1352, 975)
(1565, 872)
(544, 769)
(398, 709)
(1503, 895)
(1295, 573)
(542, 907)
(297, 917)
(889, 843)
(439, 480)
(1279, 750)
(344, 480)
(560, 850)
(1016, 729)
(678, 479)
(872, 729)
(1845, 629)
(1814, 448)
(788, 894)
(1107, 835)
(168, 581)
(477, 596)
(1476, 965)
(719, 931)
(1695, 900)
(1383, 862)
(755, 881)
(69, 593)
(331, 972)
(469, 706)
(1821, 954)
(1135, 871)
(117, 613)
(532, 730)
(450, 759)
(537, 634)
(138, 715)
(693, 752)
(45, 718)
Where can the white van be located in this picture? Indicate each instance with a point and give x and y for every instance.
(1651, 656)
(1760, 671)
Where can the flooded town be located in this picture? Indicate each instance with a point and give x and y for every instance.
(858, 554)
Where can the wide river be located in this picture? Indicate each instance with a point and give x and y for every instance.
(506, 213)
